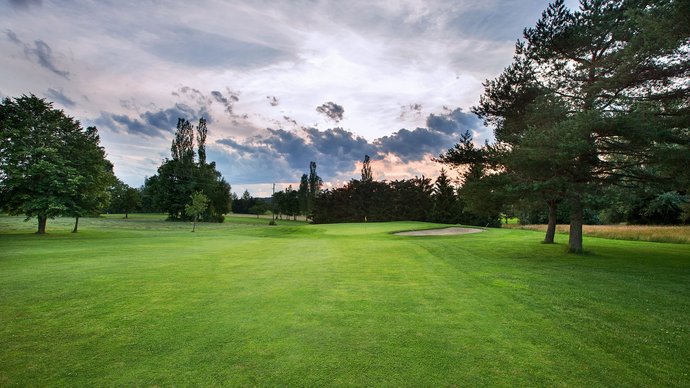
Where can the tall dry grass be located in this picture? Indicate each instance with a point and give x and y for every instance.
(656, 233)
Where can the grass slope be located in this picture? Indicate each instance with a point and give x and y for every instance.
(143, 302)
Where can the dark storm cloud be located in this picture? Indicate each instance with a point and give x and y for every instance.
(60, 97)
(242, 149)
(43, 55)
(332, 110)
(414, 145)
(199, 48)
(133, 126)
(453, 121)
(337, 141)
(159, 123)
(337, 150)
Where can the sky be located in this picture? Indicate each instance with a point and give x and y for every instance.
(280, 83)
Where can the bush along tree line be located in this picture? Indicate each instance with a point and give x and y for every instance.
(49, 165)
(124, 199)
(186, 173)
(596, 102)
(291, 203)
(246, 204)
(416, 199)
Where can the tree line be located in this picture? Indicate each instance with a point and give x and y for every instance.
(416, 199)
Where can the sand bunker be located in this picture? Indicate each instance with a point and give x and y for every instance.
(440, 232)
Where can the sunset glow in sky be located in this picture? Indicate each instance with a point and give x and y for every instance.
(281, 83)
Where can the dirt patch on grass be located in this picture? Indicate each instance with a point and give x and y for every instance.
(440, 232)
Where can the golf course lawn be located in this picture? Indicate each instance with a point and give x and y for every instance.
(146, 302)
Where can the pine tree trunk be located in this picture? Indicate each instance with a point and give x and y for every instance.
(76, 224)
(576, 218)
(551, 227)
(42, 220)
(126, 215)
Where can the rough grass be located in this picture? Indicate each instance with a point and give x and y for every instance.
(145, 302)
(654, 233)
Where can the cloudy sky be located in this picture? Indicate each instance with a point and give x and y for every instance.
(280, 83)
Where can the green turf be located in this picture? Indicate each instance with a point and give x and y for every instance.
(145, 302)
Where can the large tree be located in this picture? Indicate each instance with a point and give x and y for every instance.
(124, 199)
(183, 174)
(594, 97)
(49, 165)
(314, 187)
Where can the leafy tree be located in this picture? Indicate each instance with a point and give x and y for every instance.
(49, 165)
(594, 97)
(243, 204)
(258, 208)
(303, 194)
(366, 170)
(279, 201)
(91, 191)
(314, 187)
(444, 209)
(124, 199)
(196, 206)
(618, 68)
(183, 175)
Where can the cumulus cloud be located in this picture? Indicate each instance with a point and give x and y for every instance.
(382, 60)
(331, 110)
(337, 151)
(157, 123)
(60, 97)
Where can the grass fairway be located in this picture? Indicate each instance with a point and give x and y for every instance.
(143, 302)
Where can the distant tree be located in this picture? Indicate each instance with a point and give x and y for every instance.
(91, 194)
(182, 175)
(411, 199)
(366, 170)
(243, 204)
(315, 184)
(444, 208)
(201, 132)
(303, 194)
(279, 201)
(49, 165)
(291, 202)
(196, 206)
(258, 208)
(124, 199)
